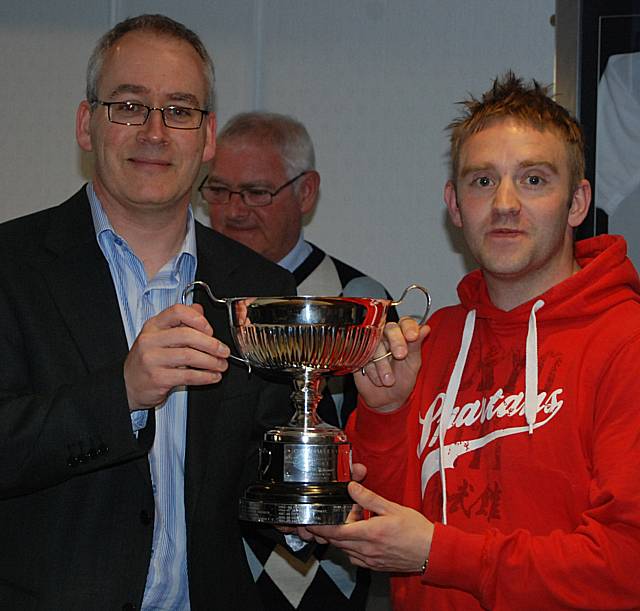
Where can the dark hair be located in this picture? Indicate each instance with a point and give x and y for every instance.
(531, 104)
(157, 24)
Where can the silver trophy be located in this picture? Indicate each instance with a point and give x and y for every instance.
(305, 466)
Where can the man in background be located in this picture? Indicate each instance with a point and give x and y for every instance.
(261, 184)
(126, 439)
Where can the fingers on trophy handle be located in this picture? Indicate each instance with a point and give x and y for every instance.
(421, 322)
(191, 288)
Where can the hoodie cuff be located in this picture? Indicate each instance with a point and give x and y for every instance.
(455, 559)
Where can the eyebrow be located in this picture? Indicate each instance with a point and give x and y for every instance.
(178, 96)
(470, 169)
(525, 163)
(548, 165)
(258, 184)
(129, 88)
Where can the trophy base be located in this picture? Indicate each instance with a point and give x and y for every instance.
(296, 504)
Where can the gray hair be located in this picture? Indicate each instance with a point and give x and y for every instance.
(157, 24)
(287, 134)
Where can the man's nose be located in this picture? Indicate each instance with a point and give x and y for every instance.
(154, 128)
(236, 206)
(506, 199)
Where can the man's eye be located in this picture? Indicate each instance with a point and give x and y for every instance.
(215, 190)
(179, 112)
(129, 107)
(482, 181)
(257, 192)
(534, 180)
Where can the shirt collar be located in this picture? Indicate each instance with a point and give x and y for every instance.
(103, 227)
(296, 255)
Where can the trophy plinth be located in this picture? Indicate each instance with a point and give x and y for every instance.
(302, 478)
(305, 466)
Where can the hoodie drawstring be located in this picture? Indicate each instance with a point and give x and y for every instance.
(450, 397)
(530, 389)
(531, 369)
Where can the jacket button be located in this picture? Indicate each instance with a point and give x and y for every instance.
(145, 517)
(129, 607)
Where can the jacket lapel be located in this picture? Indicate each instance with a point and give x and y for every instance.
(81, 287)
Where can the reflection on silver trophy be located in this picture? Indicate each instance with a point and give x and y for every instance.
(305, 466)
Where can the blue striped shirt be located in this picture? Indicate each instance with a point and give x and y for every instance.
(139, 300)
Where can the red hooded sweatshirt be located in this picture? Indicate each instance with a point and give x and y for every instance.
(541, 449)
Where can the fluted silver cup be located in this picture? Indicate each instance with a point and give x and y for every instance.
(305, 465)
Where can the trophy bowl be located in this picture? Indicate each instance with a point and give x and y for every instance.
(305, 465)
(319, 334)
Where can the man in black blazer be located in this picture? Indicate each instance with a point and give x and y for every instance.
(78, 491)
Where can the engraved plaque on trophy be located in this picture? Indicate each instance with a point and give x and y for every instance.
(305, 465)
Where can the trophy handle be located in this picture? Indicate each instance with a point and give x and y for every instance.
(191, 287)
(412, 287)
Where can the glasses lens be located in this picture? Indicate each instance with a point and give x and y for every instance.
(127, 113)
(182, 117)
(256, 197)
(215, 195)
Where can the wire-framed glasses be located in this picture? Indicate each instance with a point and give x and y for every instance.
(135, 113)
(252, 196)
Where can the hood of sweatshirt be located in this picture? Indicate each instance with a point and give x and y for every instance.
(606, 278)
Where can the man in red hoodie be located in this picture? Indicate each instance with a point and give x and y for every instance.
(503, 451)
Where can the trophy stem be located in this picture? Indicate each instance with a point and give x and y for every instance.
(306, 397)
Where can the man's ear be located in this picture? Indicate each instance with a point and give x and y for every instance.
(210, 137)
(451, 201)
(308, 191)
(580, 202)
(83, 126)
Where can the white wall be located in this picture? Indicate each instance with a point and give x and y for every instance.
(375, 81)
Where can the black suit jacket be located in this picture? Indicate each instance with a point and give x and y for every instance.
(76, 506)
